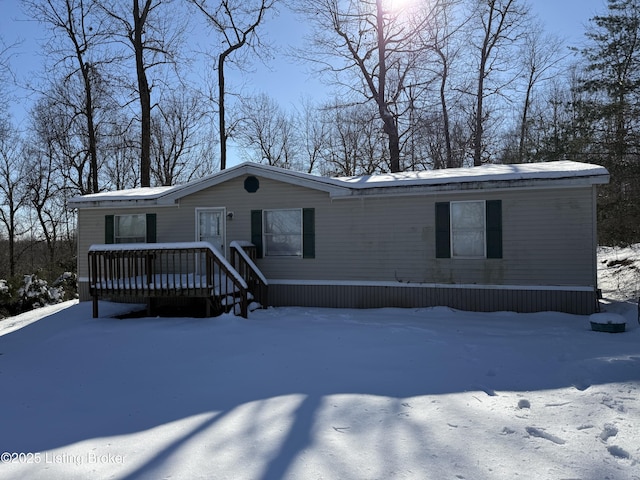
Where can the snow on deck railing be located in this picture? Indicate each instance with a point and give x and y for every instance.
(191, 269)
(240, 246)
(118, 247)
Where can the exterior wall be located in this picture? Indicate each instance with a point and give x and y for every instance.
(548, 236)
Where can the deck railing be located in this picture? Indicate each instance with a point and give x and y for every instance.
(155, 270)
(243, 255)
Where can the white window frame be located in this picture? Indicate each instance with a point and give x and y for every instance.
(117, 238)
(457, 229)
(266, 234)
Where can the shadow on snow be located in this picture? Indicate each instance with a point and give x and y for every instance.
(69, 378)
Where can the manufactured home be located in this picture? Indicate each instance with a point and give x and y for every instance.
(496, 237)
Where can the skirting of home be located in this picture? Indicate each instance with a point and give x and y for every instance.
(479, 298)
(577, 300)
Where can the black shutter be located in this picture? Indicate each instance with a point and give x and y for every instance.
(256, 231)
(109, 229)
(443, 234)
(151, 228)
(308, 233)
(494, 228)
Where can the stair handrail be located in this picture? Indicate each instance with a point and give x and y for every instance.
(116, 267)
(243, 263)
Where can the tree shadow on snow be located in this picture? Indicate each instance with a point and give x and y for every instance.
(69, 378)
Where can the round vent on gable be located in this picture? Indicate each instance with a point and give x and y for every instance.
(251, 184)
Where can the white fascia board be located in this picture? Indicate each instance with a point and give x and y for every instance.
(119, 204)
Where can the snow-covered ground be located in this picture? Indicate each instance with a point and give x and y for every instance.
(297, 393)
(619, 272)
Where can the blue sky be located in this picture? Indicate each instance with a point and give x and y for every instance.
(286, 81)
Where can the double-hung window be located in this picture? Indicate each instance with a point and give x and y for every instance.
(468, 229)
(283, 232)
(130, 228)
(286, 232)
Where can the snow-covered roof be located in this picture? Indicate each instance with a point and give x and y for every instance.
(129, 194)
(485, 173)
(483, 177)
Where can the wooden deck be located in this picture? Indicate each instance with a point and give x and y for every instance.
(172, 270)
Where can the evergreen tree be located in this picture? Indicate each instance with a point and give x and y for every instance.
(612, 106)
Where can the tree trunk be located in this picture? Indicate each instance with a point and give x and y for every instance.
(493, 34)
(390, 125)
(524, 119)
(445, 111)
(144, 92)
(93, 150)
(221, 112)
(394, 148)
(12, 241)
(478, 131)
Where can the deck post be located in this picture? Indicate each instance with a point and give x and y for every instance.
(93, 282)
(244, 304)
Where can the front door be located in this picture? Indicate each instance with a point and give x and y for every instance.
(210, 227)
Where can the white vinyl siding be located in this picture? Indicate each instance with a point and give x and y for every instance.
(548, 234)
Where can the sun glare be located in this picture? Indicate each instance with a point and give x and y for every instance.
(399, 5)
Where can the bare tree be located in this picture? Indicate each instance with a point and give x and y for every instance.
(66, 134)
(44, 187)
(500, 22)
(441, 39)
(6, 73)
(377, 43)
(236, 21)
(154, 34)
(313, 133)
(12, 187)
(267, 132)
(174, 140)
(76, 35)
(540, 54)
(355, 143)
(120, 145)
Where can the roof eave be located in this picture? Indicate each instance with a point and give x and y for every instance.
(339, 189)
(466, 186)
(117, 203)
